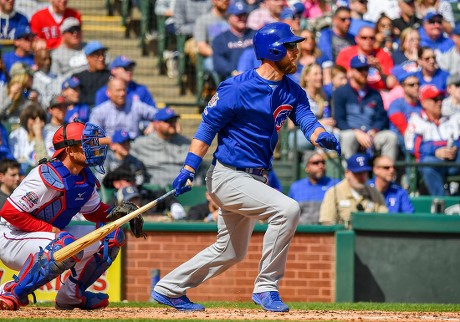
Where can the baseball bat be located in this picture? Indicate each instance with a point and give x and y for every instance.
(92, 237)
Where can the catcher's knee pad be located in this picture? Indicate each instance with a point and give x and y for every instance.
(100, 261)
(40, 268)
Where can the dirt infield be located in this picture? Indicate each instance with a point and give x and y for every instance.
(231, 314)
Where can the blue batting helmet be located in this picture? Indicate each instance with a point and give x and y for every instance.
(270, 39)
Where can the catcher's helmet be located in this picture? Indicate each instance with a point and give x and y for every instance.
(270, 39)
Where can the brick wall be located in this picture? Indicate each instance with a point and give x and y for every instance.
(309, 274)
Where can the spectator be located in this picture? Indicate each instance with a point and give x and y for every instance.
(333, 40)
(291, 15)
(407, 17)
(315, 9)
(123, 181)
(351, 194)
(57, 110)
(310, 53)
(27, 141)
(119, 155)
(427, 137)
(22, 52)
(401, 109)
(358, 10)
(123, 68)
(44, 82)
(120, 113)
(269, 11)
(429, 72)
(163, 150)
(409, 46)
(229, 45)
(96, 75)
(247, 60)
(451, 104)
(450, 60)
(207, 211)
(384, 37)
(10, 19)
(360, 114)
(338, 78)
(387, 7)
(186, 13)
(17, 94)
(69, 58)
(432, 33)
(207, 27)
(380, 61)
(70, 90)
(424, 7)
(309, 192)
(9, 178)
(46, 22)
(5, 151)
(396, 198)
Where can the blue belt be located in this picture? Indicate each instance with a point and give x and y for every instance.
(254, 171)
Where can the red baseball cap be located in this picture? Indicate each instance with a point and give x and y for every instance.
(67, 135)
(430, 92)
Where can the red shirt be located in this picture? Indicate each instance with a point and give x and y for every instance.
(46, 27)
(374, 78)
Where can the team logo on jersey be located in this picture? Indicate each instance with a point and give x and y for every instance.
(280, 115)
(80, 196)
(29, 199)
(212, 102)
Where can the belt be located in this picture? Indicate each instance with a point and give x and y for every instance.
(254, 171)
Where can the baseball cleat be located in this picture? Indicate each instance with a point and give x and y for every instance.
(90, 301)
(9, 301)
(179, 303)
(270, 301)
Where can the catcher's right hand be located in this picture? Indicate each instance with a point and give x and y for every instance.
(136, 224)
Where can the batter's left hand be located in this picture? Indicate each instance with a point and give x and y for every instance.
(180, 183)
(328, 141)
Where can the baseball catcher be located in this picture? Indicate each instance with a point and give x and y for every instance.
(34, 223)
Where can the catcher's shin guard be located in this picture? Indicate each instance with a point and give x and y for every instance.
(39, 269)
(93, 269)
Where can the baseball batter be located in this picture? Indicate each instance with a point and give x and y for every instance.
(34, 219)
(247, 113)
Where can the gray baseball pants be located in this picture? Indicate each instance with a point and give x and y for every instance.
(244, 199)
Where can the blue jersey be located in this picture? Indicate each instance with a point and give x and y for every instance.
(248, 112)
(9, 24)
(303, 190)
(396, 198)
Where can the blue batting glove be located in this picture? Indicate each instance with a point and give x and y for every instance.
(180, 183)
(328, 141)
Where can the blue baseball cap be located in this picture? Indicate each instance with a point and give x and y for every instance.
(405, 70)
(359, 61)
(358, 163)
(127, 193)
(122, 61)
(71, 82)
(93, 46)
(165, 114)
(120, 136)
(22, 31)
(237, 8)
(431, 15)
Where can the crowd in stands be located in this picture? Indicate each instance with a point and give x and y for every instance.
(386, 83)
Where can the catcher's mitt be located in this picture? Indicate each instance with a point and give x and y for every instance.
(136, 224)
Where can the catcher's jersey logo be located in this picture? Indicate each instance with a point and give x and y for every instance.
(280, 115)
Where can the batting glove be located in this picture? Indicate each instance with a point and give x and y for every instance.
(328, 141)
(180, 183)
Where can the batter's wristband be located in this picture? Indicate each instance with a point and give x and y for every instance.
(193, 160)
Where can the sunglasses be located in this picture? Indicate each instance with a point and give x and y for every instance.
(367, 37)
(74, 29)
(363, 69)
(317, 162)
(438, 99)
(433, 21)
(386, 167)
(345, 19)
(429, 58)
(129, 68)
(456, 84)
(290, 45)
(363, 1)
(412, 84)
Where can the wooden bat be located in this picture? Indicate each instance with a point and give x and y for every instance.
(96, 235)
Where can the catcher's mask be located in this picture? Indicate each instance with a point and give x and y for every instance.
(88, 136)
